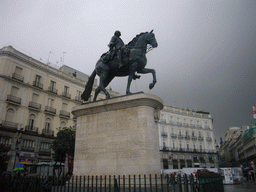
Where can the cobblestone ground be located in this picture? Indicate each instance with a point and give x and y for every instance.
(245, 187)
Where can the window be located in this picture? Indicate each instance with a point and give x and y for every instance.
(47, 125)
(18, 70)
(5, 140)
(201, 147)
(187, 146)
(10, 115)
(199, 133)
(50, 102)
(66, 89)
(173, 144)
(37, 80)
(180, 145)
(63, 124)
(194, 145)
(53, 84)
(14, 91)
(172, 130)
(28, 143)
(179, 132)
(193, 133)
(64, 106)
(44, 145)
(186, 134)
(31, 121)
(35, 97)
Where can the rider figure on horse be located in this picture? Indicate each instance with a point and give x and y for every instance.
(115, 45)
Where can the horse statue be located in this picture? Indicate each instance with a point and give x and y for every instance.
(134, 61)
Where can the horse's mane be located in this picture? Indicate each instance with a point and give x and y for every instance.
(135, 39)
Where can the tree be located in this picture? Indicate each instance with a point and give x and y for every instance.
(64, 144)
(3, 156)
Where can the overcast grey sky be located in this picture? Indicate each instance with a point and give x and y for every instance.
(206, 53)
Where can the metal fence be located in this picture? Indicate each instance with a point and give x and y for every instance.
(130, 183)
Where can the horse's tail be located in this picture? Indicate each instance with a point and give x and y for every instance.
(88, 87)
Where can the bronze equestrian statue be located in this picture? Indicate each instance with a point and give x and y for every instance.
(133, 60)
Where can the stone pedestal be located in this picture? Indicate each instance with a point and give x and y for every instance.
(118, 136)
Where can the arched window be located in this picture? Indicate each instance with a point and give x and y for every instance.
(63, 124)
(31, 122)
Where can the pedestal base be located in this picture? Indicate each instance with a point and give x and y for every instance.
(118, 136)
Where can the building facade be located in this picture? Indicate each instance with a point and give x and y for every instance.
(35, 100)
(186, 139)
(239, 147)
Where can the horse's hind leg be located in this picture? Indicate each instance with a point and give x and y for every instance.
(102, 86)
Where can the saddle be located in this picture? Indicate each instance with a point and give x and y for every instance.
(110, 55)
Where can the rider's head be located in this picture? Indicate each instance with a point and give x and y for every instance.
(117, 33)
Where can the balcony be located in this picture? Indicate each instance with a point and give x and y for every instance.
(65, 94)
(52, 90)
(192, 125)
(198, 126)
(164, 134)
(173, 136)
(44, 152)
(17, 77)
(187, 137)
(30, 129)
(13, 99)
(28, 149)
(9, 125)
(78, 98)
(38, 85)
(34, 105)
(194, 138)
(209, 139)
(200, 138)
(179, 124)
(180, 136)
(65, 114)
(50, 110)
(48, 133)
(207, 127)
(162, 120)
(185, 124)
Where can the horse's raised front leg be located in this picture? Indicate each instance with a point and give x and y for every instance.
(145, 71)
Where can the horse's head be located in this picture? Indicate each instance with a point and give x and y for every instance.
(151, 39)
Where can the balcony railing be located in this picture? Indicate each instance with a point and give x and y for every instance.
(208, 139)
(164, 134)
(180, 136)
(31, 129)
(14, 99)
(185, 124)
(162, 120)
(78, 98)
(34, 105)
(200, 138)
(187, 137)
(64, 113)
(10, 125)
(173, 136)
(207, 127)
(65, 94)
(53, 90)
(47, 132)
(194, 138)
(17, 77)
(179, 124)
(192, 125)
(198, 126)
(26, 148)
(37, 84)
(50, 110)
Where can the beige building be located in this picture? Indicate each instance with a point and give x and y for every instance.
(186, 139)
(35, 99)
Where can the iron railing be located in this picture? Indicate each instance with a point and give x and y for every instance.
(13, 99)
(146, 183)
(50, 109)
(64, 113)
(53, 90)
(17, 77)
(34, 105)
(37, 84)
